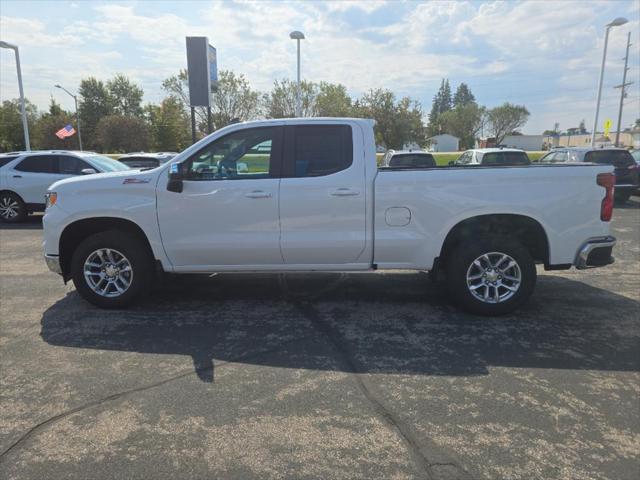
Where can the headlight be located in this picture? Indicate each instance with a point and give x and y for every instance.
(50, 199)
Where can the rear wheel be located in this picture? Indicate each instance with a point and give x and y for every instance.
(111, 269)
(492, 276)
(12, 208)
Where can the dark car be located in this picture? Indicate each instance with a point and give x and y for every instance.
(146, 160)
(625, 167)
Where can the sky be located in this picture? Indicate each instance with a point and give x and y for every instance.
(542, 54)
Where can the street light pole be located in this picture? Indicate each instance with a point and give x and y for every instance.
(296, 35)
(75, 99)
(622, 88)
(25, 125)
(615, 23)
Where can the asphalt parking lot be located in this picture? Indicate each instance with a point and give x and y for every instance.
(325, 376)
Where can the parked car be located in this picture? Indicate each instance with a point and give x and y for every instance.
(25, 176)
(408, 159)
(316, 202)
(146, 160)
(493, 156)
(626, 169)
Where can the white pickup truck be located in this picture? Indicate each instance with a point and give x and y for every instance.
(307, 195)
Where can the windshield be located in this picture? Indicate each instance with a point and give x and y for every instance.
(617, 158)
(106, 164)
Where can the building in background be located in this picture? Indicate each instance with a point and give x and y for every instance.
(443, 143)
(524, 142)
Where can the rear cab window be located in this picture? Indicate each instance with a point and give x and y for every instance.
(318, 150)
(505, 158)
(408, 160)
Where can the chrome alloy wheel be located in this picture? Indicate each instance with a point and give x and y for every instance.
(108, 272)
(494, 277)
(9, 208)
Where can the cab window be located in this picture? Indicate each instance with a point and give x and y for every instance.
(319, 150)
(245, 154)
(38, 164)
(72, 165)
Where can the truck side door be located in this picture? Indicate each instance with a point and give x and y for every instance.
(323, 196)
(227, 212)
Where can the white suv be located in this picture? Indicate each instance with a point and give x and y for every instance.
(25, 177)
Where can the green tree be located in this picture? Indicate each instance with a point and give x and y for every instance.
(505, 119)
(463, 96)
(118, 134)
(333, 101)
(11, 132)
(397, 123)
(234, 100)
(49, 123)
(441, 103)
(95, 103)
(281, 101)
(464, 122)
(168, 125)
(126, 96)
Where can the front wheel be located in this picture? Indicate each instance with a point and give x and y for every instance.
(12, 208)
(112, 269)
(491, 276)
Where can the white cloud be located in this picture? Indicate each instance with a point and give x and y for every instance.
(499, 43)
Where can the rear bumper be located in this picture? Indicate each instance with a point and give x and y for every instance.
(53, 262)
(595, 252)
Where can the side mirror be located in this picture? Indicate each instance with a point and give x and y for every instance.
(176, 177)
(88, 171)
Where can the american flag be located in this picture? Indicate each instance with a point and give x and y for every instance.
(65, 132)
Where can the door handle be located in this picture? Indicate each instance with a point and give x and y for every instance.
(17, 176)
(344, 192)
(258, 194)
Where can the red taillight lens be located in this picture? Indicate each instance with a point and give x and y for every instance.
(608, 181)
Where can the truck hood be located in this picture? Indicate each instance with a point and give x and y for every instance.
(107, 179)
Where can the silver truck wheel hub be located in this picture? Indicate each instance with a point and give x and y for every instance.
(108, 272)
(494, 277)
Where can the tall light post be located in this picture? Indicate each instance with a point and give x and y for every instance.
(296, 35)
(25, 126)
(75, 99)
(615, 23)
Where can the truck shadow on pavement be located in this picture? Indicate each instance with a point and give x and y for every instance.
(363, 323)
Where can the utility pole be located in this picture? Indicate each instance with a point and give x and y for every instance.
(615, 23)
(622, 88)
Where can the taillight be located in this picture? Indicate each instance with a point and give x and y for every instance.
(608, 181)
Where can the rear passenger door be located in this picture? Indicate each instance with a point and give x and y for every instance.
(323, 196)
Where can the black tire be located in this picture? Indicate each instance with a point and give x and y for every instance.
(460, 261)
(621, 197)
(12, 208)
(130, 246)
